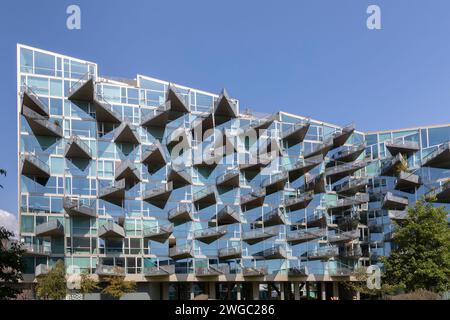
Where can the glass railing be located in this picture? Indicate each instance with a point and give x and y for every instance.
(80, 82)
(37, 162)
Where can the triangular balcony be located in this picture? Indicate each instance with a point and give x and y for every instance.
(159, 271)
(439, 158)
(275, 182)
(344, 237)
(315, 183)
(227, 215)
(320, 148)
(343, 204)
(255, 236)
(341, 136)
(391, 167)
(322, 253)
(114, 193)
(179, 136)
(301, 271)
(76, 208)
(408, 182)
(229, 253)
(257, 125)
(179, 175)
(31, 100)
(393, 202)
(182, 213)
(253, 199)
(33, 166)
(440, 194)
(109, 271)
(205, 198)
(77, 149)
(259, 271)
(159, 233)
(212, 271)
(296, 132)
(349, 154)
(157, 118)
(352, 186)
(210, 235)
(253, 163)
(126, 133)
(272, 218)
(397, 146)
(177, 101)
(181, 252)
(277, 252)
(319, 219)
(158, 196)
(111, 230)
(209, 158)
(104, 111)
(301, 236)
(298, 202)
(128, 171)
(154, 156)
(52, 228)
(341, 171)
(83, 89)
(225, 107)
(229, 178)
(41, 125)
(202, 126)
(302, 166)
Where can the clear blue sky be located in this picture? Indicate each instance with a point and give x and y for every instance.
(311, 57)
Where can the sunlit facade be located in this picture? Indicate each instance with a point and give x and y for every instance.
(111, 181)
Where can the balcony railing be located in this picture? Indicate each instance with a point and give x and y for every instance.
(229, 178)
(441, 193)
(75, 207)
(106, 270)
(111, 230)
(323, 253)
(52, 228)
(212, 270)
(255, 271)
(181, 214)
(158, 271)
(41, 270)
(33, 166)
(159, 233)
(229, 253)
(36, 249)
(181, 252)
(300, 236)
(210, 235)
(439, 158)
(277, 252)
(255, 236)
(77, 148)
(300, 201)
(351, 186)
(42, 125)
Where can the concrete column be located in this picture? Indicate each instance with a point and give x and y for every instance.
(212, 291)
(335, 290)
(192, 294)
(296, 291)
(282, 294)
(238, 291)
(307, 289)
(323, 292)
(165, 291)
(255, 290)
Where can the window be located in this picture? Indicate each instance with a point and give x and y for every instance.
(438, 135)
(44, 64)
(26, 60)
(27, 224)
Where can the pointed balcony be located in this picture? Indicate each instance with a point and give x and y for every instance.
(277, 252)
(41, 125)
(253, 163)
(301, 236)
(397, 214)
(393, 202)
(181, 252)
(315, 183)
(341, 171)
(299, 201)
(259, 271)
(229, 178)
(159, 271)
(253, 199)
(225, 107)
(227, 215)
(41, 270)
(439, 158)
(104, 111)
(320, 148)
(177, 102)
(157, 118)
(229, 253)
(31, 100)
(114, 193)
(128, 171)
(275, 182)
(210, 235)
(210, 157)
(322, 253)
(205, 198)
(180, 136)
(390, 167)
(52, 228)
(179, 175)
(440, 194)
(159, 233)
(77, 149)
(272, 218)
(349, 154)
(83, 89)
(397, 146)
(344, 237)
(258, 125)
(77, 208)
(341, 136)
(33, 166)
(212, 271)
(351, 186)
(126, 133)
(154, 156)
(202, 126)
(256, 236)
(407, 182)
(296, 132)
(303, 166)
(103, 270)
(159, 195)
(316, 220)
(36, 250)
(301, 271)
(111, 230)
(343, 204)
(182, 213)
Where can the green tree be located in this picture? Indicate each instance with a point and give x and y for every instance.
(118, 287)
(87, 284)
(421, 255)
(11, 264)
(53, 285)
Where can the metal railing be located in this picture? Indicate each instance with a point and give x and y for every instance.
(440, 148)
(210, 232)
(32, 158)
(107, 270)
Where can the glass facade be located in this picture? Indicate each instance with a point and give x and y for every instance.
(156, 181)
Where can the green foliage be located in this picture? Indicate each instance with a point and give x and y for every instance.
(11, 264)
(53, 285)
(87, 284)
(117, 287)
(419, 294)
(421, 258)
